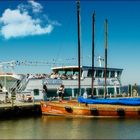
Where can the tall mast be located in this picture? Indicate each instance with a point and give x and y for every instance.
(79, 49)
(93, 31)
(106, 46)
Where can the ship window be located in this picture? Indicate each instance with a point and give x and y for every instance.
(117, 90)
(89, 91)
(69, 72)
(82, 91)
(76, 91)
(89, 73)
(107, 74)
(118, 73)
(101, 91)
(61, 72)
(112, 74)
(36, 92)
(52, 93)
(111, 90)
(68, 92)
(99, 73)
(75, 73)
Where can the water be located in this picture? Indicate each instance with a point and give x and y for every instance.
(53, 127)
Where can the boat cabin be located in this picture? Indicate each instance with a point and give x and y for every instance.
(68, 76)
(71, 72)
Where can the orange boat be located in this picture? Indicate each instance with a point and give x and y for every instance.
(76, 109)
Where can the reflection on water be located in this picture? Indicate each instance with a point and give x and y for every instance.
(53, 127)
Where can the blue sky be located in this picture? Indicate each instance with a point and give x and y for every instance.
(46, 31)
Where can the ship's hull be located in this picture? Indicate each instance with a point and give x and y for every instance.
(75, 109)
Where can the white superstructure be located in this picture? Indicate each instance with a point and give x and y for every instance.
(68, 76)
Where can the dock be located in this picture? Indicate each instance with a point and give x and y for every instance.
(20, 109)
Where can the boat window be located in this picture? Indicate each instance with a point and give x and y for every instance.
(68, 92)
(61, 72)
(101, 91)
(75, 91)
(75, 72)
(69, 72)
(89, 91)
(99, 73)
(112, 74)
(52, 93)
(36, 92)
(118, 73)
(90, 73)
(82, 91)
(117, 90)
(107, 74)
(55, 71)
(111, 91)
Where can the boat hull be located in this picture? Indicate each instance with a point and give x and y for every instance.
(75, 109)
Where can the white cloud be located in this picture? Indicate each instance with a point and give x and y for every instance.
(52, 22)
(18, 23)
(36, 6)
(23, 8)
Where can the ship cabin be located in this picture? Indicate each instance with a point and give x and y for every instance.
(86, 71)
(68, 75)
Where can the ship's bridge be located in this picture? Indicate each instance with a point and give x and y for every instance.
(71, 72)
(99, 72)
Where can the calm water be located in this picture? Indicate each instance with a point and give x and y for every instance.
(48, 127)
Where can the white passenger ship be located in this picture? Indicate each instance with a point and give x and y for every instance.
(68, 76)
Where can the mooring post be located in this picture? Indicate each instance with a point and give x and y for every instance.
(13, 94)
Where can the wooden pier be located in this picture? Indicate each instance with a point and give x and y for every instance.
(20, 109)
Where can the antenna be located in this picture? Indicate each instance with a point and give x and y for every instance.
(100, 59)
